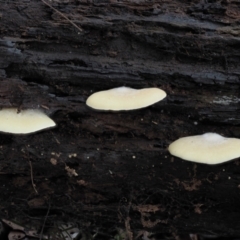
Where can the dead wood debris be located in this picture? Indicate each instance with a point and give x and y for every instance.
(54, 9)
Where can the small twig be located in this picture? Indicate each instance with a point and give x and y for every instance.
(34, 186)
(79, 29)
(45, 219)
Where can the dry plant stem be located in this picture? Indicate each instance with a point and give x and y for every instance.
(128, 228)
(54, 9)
(45, 219)
(34, 186)
(127, 221)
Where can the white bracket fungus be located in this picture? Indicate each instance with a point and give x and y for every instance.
(125, 98)
(23, 122)
(209, 148)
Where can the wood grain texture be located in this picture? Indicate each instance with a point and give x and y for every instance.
(126, 177)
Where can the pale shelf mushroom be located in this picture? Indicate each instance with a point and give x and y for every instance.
(209, 148)
(125, 98)
(23, 122)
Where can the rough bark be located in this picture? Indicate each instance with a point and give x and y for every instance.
(127, 181)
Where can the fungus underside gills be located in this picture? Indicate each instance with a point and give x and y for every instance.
(125, 98)
(23, 122)
(209, 148)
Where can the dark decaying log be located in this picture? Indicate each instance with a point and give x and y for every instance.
(125, 181)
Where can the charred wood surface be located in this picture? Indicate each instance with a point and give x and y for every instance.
(111, 171)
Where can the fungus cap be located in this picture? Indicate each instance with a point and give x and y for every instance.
(209, 148)
(125, 98)
(23, 122)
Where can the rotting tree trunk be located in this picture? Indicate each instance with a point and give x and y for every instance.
(127, 182)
